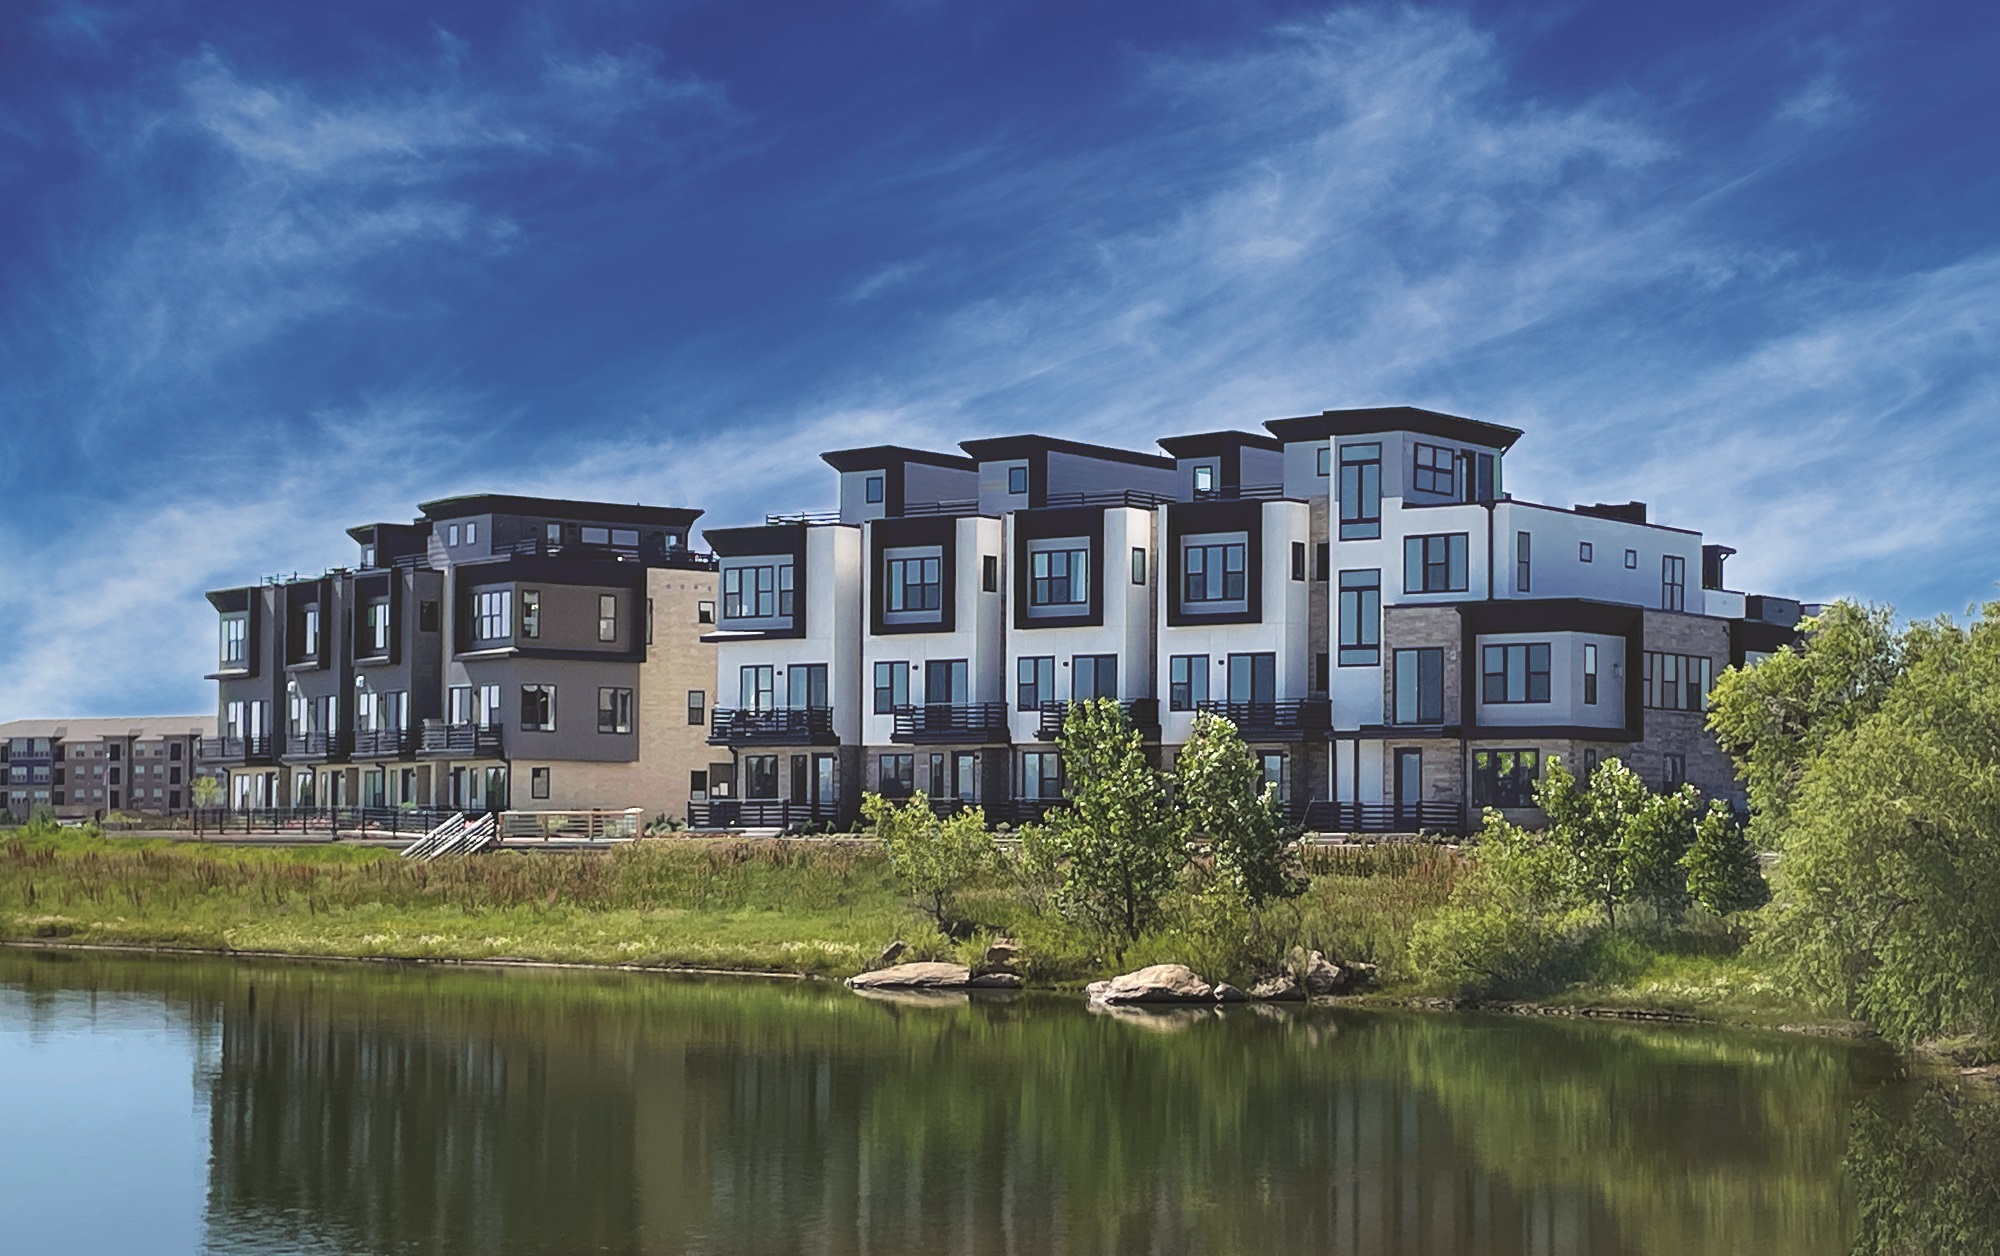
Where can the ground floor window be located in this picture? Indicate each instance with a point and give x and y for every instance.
(1673, 771)
(538, 783)
(760, 777)
(897, 776)
(1505, 778)
(1041, 774)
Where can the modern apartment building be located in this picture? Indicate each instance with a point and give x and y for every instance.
(499, 652)
(89, 767)
(1400, 640)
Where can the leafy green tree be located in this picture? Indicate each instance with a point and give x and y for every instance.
(1722, 870)
(1119, 844)
(935, 859)
(1653, 844)
(1889, 898)
(1221, 802)
(1776, 716)
(1512, 918)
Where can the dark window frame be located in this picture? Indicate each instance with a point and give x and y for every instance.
(1043, 669)
(1437, 562)
(1506, 777)
(1361, 491)
(891, 687)
(1187, 681)
(1434, 469)
(1527, 661)
(1425, 672)
(1362, 647)
(614, 709)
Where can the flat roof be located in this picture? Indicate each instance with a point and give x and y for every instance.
(509, 504)
(1003, 448)
(876, 457)
(365, 532)
(1207, 444)
(1363, 422)
(96, 727)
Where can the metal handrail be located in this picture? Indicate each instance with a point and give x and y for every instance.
(1301, 715)
(728, 725)
(970, 721)
(1144, 714)
(1242, 492)
(1384, 817)
(960, 506)
(807, 517)
(1138, 497)
(438, 737)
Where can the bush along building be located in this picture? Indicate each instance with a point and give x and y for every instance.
(1400, 641)
(499, 652)
(93, 767)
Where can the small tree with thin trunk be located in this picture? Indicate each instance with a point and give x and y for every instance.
(1722, 869)
(935, 859)
(1119, 844)
(1222, 803)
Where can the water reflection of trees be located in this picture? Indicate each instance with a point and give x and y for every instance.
(385, 1110)
(1926, 1173)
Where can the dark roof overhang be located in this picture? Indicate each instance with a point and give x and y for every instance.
(1335, 423)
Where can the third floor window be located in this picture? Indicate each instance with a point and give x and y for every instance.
(235, 640)
(378, 627)
(1436, 470)
(1673, 583)
(1059, 577)
(1360, 492)
(310, 637)
(1435, 564)
(913, 584)
(491, 611)
(1213, 573)
(759, 592)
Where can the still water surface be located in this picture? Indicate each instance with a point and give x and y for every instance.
(210, 1106)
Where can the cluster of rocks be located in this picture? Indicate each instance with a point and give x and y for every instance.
(1311, 975)
(995, 971)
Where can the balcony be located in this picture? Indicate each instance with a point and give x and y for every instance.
(679, 556)
(1276, 721)
(459, 741)
(746, 813)
(317, 745)
(1139, 498)
(1323, 816)
(973, 723)
(1018, 811)
(385, 743)
(1143, 712)
(255, 748)
(778, 726)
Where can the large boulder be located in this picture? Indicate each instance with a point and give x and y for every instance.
(1278, 989)
(1318, 975)
(920, 976)
(1161, 983)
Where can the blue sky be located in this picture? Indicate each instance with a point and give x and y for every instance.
(270, 270)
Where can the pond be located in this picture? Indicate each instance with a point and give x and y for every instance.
(194, 1105)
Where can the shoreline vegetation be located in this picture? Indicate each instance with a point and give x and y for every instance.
(1867, 753)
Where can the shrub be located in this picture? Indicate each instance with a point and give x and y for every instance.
(934, 859)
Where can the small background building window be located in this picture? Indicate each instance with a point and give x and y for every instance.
(538, 782)
(1017, 480)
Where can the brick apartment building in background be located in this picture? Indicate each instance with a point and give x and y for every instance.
(498, 652)
(87, 767)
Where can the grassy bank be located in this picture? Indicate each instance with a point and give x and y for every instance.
(821, 909)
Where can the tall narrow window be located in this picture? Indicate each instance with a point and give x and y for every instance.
(697, 707)
(805, 686)
(1322, 560)
(989, 573)
(1673, 583)
(1523, 555)
(1035, 683)
(1360, 492)
(607, 617)
(1585, 552)
(1298, 560)
(1420, 686)
(1589, 674)
(1360, 618)
(1017, 480)
(1138, 565)
(1187, 682)
(892, 687)
(311, 634)
(531, 613)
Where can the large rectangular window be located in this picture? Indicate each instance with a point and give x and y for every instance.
(1253, 678)
(1673, 583)
(538, 708)
(1360, 492)
(235, 640)
(1515, 673)
(913, 584)
(1093, 676)
(1034, 683)
(1435, 564)
(1187, 682)
(759, 592)
(1213, 573)
(1505, 778)
(1059, 577)
(760, 777)
(758, 687)
(491, 612)
(897, 776)
(1041, 774)
(805, 686)
(892, 687)
(614, 710)
(1420, 686)
(1436, 470)
(1677, 682)
(947, 682)
(1360, 618)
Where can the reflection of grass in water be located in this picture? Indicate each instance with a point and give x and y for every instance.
(1225, 1134)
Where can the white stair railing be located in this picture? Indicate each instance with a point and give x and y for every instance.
(433, 843)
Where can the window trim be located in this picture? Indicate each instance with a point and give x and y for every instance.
(1035, 663)
(1424, 474)
(892, 695)
(1365, 648)
(1526, 653)
(1182, 671)
(1017, 481)
(1585, 552)
(697, 708)
(1523, 561)
(1457, 553)
(874, 489)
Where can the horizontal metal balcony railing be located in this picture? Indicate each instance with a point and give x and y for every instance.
(733, 726)
(384, 743)
(1324, 816)
(973, 722)
(1143, 712)
(1244, 492)
(465, 740)
(1111, 497)
(255, 748)
(1018, 811)
(670, 555)
(320, 745)
(748, 813)
(808, 517)
(1282, 721)
(962, 506)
